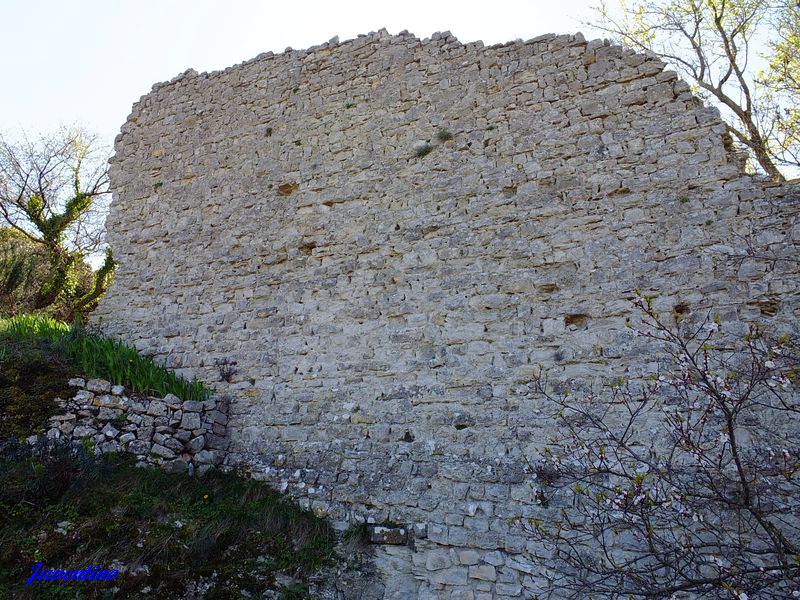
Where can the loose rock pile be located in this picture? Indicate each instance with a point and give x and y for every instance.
(178, 436)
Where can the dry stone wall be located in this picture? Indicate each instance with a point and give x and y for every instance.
(178, 436)
(371, 245)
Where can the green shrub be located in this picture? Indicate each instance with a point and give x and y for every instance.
(25, 269)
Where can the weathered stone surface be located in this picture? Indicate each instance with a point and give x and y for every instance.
(190, 420)
(162, 451)
(144, 433)
(139, 447)
(84, 396)
(109, 401)
(83, 431)
(208, 457)
(484, 572)
(157, 408)
(175, 466)
(173, 444)
(509, 589)
(172, 401)
(385, 310)
(449, 576)
(109, 446)
(192, 407)
(61, 418)
(183, 435)
(175, 418)
(109, 431)
(216, 442)
(218, 417)
(98, 386)
(437, 559)
(117, 424)
(196, 444)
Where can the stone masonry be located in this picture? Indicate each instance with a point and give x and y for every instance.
(174, 435)
(387, 235)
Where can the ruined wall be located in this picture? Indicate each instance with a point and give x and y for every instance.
(386, 235)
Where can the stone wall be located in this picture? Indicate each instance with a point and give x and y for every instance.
(166, 432)
(388, 235)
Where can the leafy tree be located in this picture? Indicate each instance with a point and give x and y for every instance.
(688, 484)
(781, 80)
(24, 268)
(52, 192)
(711, 44)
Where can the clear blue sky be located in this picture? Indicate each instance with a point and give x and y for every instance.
(86, 61)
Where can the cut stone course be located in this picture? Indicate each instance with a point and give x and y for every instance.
(387, 235)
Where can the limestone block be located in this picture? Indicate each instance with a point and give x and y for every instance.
(173, 444)
(512, 590)
(196, 444)
(484, 572)
(172, 401)
(98, 386)
(138, 447)
(190, 420)
(157, 408)
(109, 431)
(162, 451)
(437, 559)
(449, 576)
(83, 431)
(468, 557)
(192, 407)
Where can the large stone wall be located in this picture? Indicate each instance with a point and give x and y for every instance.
(387, 235)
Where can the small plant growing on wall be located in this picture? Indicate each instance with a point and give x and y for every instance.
(227, 369)
(443, 135)
(422, 149)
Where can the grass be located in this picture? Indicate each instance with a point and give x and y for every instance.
(68, 509)
(32, 375)
(95, 356)
(171, 529)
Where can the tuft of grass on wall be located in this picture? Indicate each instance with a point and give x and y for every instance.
(443, 135)
(97, 356)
